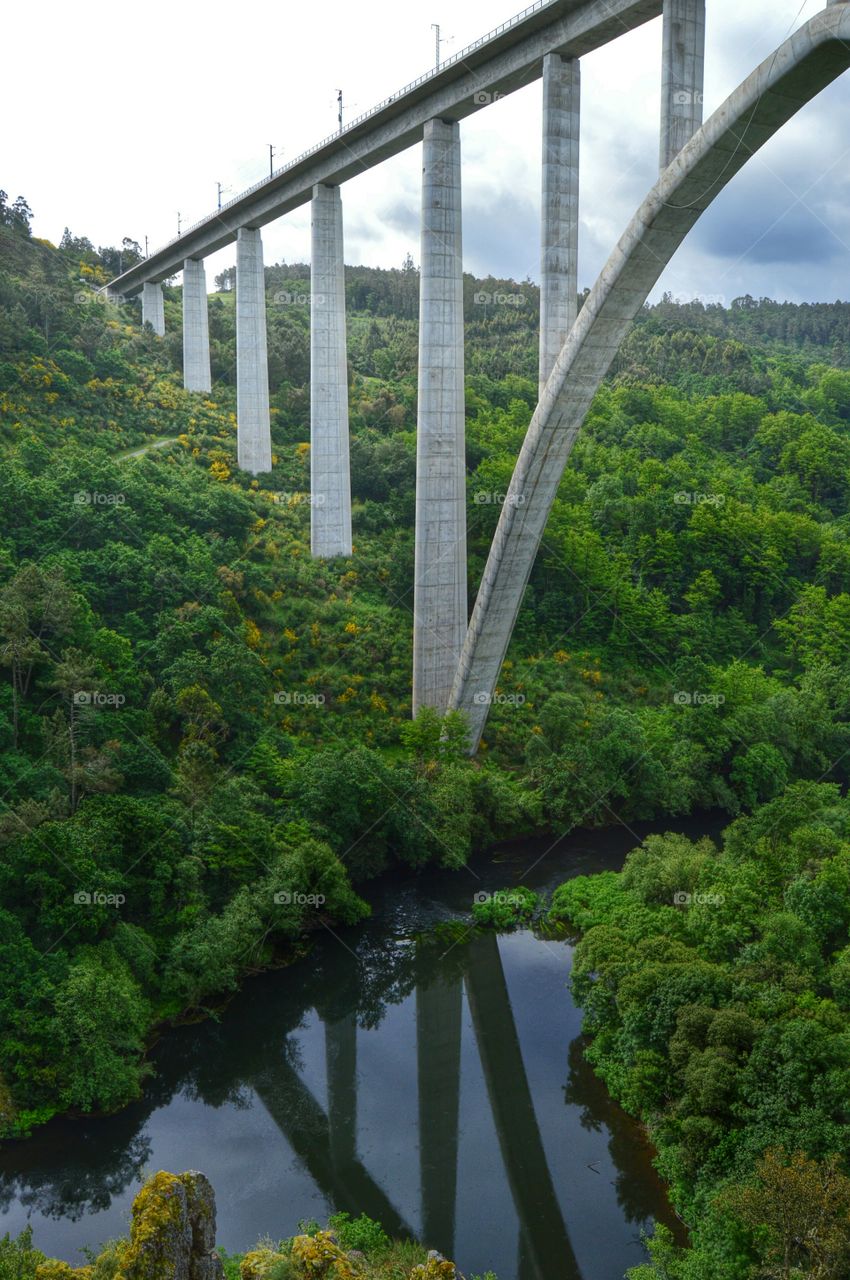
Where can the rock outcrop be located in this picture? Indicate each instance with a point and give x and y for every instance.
(172, 1236)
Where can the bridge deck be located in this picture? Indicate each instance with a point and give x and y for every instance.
(498, 64)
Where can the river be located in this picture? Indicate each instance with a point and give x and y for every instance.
(437, 1084)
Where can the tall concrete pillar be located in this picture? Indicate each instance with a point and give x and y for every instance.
(439, 600)
(254, 448)
(330, 482)
(196, 327)
(682, 75)
(559, 220)
(153, 307)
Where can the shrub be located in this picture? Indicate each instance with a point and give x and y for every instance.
(505, 909)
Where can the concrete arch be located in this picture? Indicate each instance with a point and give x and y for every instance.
(794, 74)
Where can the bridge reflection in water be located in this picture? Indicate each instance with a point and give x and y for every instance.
(437, 1085)
(326, 1141)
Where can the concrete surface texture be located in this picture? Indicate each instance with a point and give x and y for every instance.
(330, 483)
(682, 74)
(254, 448)
(439, 591)
(153, 308)
(560, 206)
(196, 327)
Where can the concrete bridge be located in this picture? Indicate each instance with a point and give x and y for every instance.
(456, 662)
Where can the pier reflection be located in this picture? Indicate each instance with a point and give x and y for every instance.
(301, 1048)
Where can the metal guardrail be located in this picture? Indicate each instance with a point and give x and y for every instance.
(365, 115)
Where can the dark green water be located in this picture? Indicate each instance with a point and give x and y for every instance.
(439, 1088)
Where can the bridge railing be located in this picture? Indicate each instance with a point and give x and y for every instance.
(365, 115)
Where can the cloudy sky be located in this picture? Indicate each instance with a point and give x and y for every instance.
(128, 115)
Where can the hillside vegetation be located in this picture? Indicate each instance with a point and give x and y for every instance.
(206, 737)
(716, 987)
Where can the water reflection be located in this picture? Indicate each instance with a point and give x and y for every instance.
(466, 1048)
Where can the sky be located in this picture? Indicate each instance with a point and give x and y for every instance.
(129, 115)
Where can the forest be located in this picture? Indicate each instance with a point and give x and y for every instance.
(207, 748)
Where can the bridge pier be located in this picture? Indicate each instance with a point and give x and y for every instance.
(439, 600)
(196, 327)
(330, 483)
(682, 75)
(559, 218)
(254, 447)
(153, 307)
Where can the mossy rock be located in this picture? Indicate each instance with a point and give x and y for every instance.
(258, 1264)
(435, 1268)
(173, 1231)
(320, 1255)
(200, 1203)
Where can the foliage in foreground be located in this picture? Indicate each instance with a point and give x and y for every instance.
(172, 1231)
(716, 988)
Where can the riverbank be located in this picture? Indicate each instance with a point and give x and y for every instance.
(715, 988)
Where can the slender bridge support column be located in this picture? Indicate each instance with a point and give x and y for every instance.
(439, 602)
(196, 327)
(252, 363)
(330, 483)
(153, 309)
(559, 222)
(682, 75)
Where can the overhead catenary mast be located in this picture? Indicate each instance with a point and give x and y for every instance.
(435, 27)
(439, 41)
